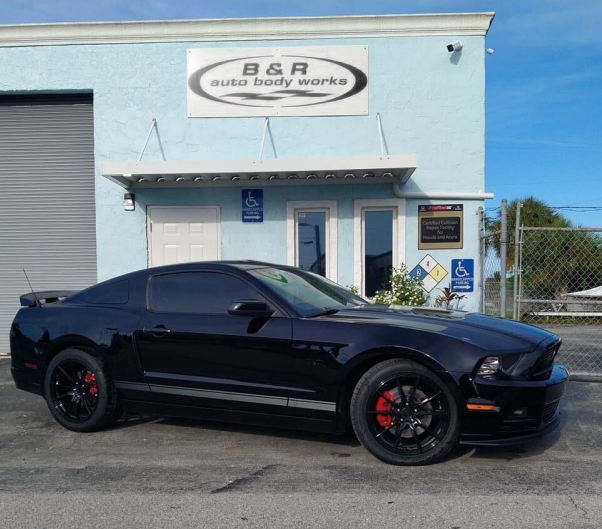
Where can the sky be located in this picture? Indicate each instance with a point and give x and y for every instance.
(543, 87)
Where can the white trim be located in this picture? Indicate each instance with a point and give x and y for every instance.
(436, 195)
(399, 234)
(331, 206)
(249, 29)
(148, 228)
(177, 173)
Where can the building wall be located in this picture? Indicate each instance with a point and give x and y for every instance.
(431, 103)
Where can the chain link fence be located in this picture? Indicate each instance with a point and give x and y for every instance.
(491, 269)
(560, 289)
(553, 279)
(491, 274)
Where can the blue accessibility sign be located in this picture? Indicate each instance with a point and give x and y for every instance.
(252, 205)
(462, 275)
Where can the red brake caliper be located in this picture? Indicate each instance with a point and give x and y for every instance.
(89, 378)
(385, 404)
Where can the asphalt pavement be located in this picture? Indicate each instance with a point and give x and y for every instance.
(149, 472)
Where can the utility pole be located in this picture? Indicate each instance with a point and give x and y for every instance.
(503, 253)
(517, 248)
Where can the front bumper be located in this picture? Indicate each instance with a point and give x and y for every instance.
(538, 401)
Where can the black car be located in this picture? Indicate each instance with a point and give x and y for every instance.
(257, 343)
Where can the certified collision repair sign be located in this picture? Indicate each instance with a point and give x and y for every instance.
(312, 81)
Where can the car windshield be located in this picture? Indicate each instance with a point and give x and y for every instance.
(309, 293)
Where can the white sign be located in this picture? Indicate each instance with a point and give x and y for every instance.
(314, 81)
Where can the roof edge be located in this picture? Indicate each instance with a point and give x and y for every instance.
(241, 29)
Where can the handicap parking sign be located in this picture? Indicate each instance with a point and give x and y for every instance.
(252, 205)
(462, 275)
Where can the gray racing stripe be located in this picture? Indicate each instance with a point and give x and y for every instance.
(232, 396)
(313, 405)
(136, 386)
(221, 395)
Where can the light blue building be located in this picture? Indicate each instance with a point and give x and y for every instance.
(308, 141)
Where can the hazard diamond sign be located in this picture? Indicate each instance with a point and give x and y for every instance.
(430, 272)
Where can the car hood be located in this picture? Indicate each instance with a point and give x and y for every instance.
(460, 324)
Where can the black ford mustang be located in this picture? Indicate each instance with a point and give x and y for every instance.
(257, 343)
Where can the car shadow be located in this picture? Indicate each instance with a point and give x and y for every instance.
(347, 439)
(131, 420)
(531, 448)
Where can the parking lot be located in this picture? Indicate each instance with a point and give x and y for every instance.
(179, 473)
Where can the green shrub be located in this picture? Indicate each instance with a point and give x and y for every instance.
(405, 290)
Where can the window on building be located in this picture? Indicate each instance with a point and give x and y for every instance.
(378, 242)
(378, 249)
(312, 236)
(198, 292)
(311, 241)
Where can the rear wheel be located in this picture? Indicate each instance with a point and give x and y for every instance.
(79, 392)
(404, 413)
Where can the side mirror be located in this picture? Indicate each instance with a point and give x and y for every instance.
(254, 308)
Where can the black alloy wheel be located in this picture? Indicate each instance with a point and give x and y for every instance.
(413, 416)
(79, 391)
(74, 391)
(404, 413)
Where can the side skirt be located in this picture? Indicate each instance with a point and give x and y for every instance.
(233, 416)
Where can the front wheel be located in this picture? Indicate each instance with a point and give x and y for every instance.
(80, 394)
(404, 413)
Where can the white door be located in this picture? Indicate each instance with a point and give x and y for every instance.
(182, 235)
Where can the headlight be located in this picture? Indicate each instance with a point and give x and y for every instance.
(493, 366)
(490, 367)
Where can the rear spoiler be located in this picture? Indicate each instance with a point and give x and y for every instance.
(31, 299)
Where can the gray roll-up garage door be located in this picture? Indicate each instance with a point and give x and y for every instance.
(47, 213)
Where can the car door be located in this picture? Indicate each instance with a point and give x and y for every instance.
(194, 352)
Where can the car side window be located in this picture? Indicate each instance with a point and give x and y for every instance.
(198, 292)
(117, 293)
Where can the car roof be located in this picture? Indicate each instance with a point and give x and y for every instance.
(240, 264)
(198, 265)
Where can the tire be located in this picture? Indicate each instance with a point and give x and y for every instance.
(79, 392)
(399, 425)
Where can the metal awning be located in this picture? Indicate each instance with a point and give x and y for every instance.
(286, 171)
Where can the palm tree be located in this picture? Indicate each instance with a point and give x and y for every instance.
(554, 263)
(535, 213)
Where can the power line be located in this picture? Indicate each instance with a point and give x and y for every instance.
(585, 201)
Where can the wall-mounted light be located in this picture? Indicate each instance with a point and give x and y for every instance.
(129, 202)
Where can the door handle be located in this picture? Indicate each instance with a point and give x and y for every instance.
(159, 330)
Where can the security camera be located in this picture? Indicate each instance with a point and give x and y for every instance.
(456, 46)
(489, 51)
